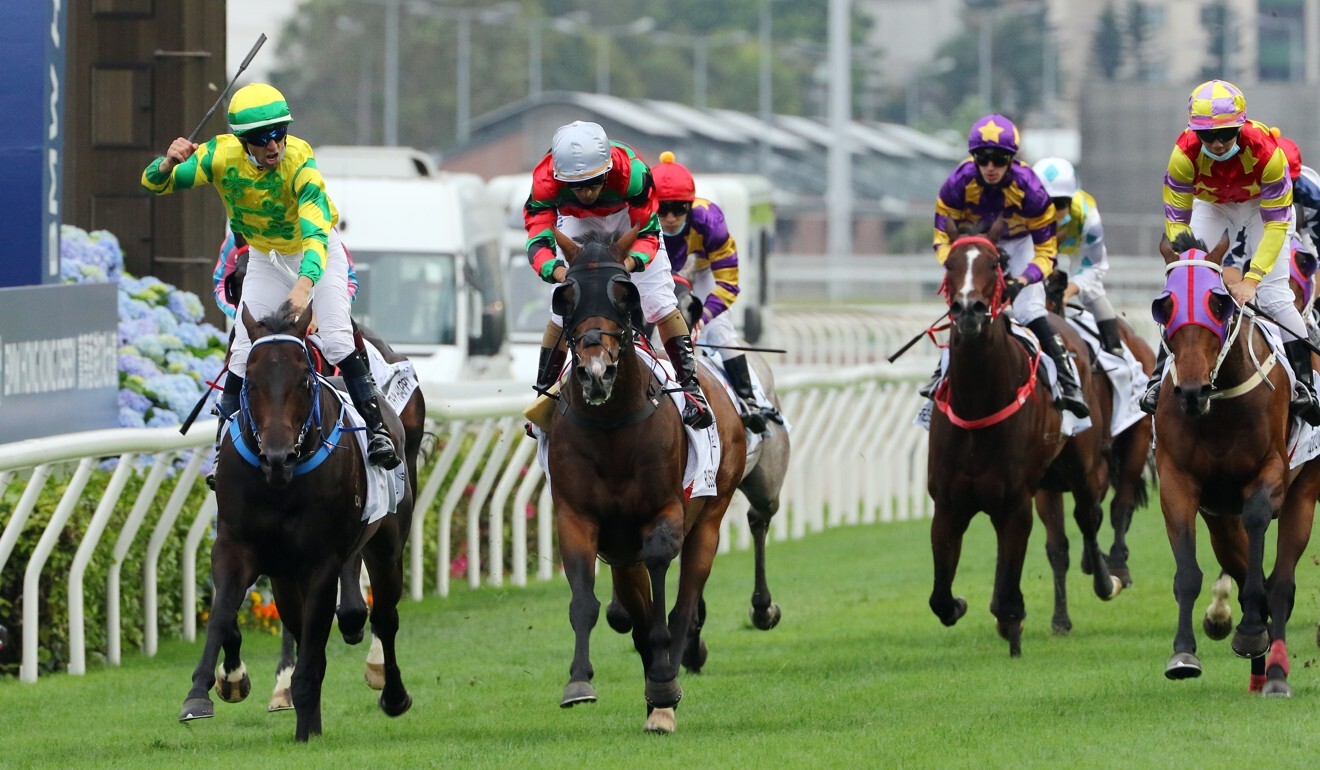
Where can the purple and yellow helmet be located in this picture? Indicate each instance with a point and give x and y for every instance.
(1216, 104)
(995, 132)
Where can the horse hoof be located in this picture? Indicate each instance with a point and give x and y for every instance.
(1217, 630)
(959, 609)
(1183, 665)
(1276, 688)
(661, 721)
(618, 618)
(280, 700)
(765, 620)
(1115, 588)
(1121, 572)
(351, 637)
(1250, 645)
(396, 710)
(663, 695)
(1061, 626)
(1087, 566)
(234, 686)
(694, 657)
(375, 676)
(577, 692)
(196, 708)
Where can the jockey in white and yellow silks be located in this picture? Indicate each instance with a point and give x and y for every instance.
(990, 185)
(1081, 236)
(1227, 173)
(275, 198)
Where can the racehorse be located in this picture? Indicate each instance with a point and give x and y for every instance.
(616, 456)
(1222, 450)
(994, 437)
(297, 517)
(1129, 454)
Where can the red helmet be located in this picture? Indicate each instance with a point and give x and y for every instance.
(1290, 151)
(673, 182)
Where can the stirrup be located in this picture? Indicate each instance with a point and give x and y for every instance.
(380, 452)
(696, 411)
(1305, 406)
(1150, 400)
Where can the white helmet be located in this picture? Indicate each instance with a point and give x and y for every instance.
(1058, 176)
(580, 151)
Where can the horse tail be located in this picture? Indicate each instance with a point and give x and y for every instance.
(430, 440)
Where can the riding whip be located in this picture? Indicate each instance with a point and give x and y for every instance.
(748, 348)
(1303, 338)
(246, 61)
(917, 338)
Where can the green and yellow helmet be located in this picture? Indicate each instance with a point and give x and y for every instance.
(257, 106)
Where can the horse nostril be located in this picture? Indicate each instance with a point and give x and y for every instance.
(610, 371)
(955, 307)
(980, 308)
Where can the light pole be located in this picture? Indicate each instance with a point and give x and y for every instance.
(464, 16)
(765, 105)
(839, 196)
(603, 37)
(700, 45)
(536, 28)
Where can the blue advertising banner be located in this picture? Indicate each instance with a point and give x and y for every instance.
(59, 365)
(31, 139)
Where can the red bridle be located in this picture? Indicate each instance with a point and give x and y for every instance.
(997, 302)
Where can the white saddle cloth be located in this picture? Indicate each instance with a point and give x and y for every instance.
(1127, 378)
(384, 487)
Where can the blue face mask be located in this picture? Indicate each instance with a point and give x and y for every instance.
(1225, 156)
(677, 231)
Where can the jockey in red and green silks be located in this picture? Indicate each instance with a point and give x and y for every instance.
(588, 183)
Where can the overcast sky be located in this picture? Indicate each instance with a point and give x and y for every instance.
(246, 19)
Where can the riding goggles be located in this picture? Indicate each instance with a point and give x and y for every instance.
(997, 158)
(674, 208)
(1211, 135)
(260, 137)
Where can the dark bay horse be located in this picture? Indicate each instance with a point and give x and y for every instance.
(617, 452)
(1222, 450)
(296, 516)
(1129, 453)
(994, 438)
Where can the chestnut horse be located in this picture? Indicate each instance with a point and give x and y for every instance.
(1222, 450)
(616, 456)
(296, 515)
(995, 436)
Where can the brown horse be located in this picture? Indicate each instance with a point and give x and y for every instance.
(1129, 453)
(617, 451)
(1222, 450)
(290, 491)
(995, 437)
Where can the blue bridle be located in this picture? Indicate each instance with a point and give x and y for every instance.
(313, 422)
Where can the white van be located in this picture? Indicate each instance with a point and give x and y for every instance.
(745, 199)
(427, 247)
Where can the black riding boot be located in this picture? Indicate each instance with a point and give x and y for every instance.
(362, 389)
(741, 379)
(1070, 396)
(696, 413)
(552, 363)
(229, 404)
(1151, 398)
(1110, 338)
(1304, 403)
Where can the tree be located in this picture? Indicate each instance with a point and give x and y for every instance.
(1217, 18)
(1138, 27)
(1107, 44)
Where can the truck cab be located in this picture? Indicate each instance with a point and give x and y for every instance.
(428, 250)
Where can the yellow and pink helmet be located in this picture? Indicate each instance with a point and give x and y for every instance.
(1216, 104)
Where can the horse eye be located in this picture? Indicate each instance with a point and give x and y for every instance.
(1161, 311)
(1219, 307)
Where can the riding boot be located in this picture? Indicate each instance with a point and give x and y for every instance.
(552, 363)
(1110, 338)
(696, 413)
(1070, 395)
(225, 408)
(928, 390)
(1304, 402)
(754, 418)
(362, 389)
(1151, 398)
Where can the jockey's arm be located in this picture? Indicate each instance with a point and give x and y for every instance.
(642, 210)
(1178, 194)
(722, 254)
(1276, 199)
(1093, 260)
(183, 166)
(1041, 227)
(224, 267)
(539, 216)
(947, 204)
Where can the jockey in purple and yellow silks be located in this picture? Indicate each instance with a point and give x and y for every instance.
(1227, 173)
(276, 199)
(588, 183)
(701, 250)
(990, 185)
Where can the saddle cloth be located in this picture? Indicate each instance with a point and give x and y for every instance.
(1071, 425)
(1126, 377)
(384, 487)
(703, 455)
(712, 360)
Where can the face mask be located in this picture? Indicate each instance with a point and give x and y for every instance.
(677, 231)
(1225, 156)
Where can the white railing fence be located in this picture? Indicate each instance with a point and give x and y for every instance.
(857, 459)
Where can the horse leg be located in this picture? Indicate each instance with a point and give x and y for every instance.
(352, 611)
(689, 613)
(1251, 639)
(233, 569)
(660, 546)
(1013, 528)
(1294, 533)
(577, 548)
(764, 612)
(383, 554)
(1049, 507)
(632, 590)
(309, 673)
(947, 528)
(616, 614)
(280, 698)
(1131, 448)
(1178, 498)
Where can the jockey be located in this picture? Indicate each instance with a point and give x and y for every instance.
(226, 295)
(992, 184)
(586, 182)
(701, 250)
(1306, 193)
(1227, 173)
(276, 200)
(1080, 234)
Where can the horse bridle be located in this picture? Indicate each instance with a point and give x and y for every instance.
(313, 421)
(996, 300)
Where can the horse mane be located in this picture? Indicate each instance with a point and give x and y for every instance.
(281, 320)
(1185, 241)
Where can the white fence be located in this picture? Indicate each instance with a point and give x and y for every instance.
(856, 459)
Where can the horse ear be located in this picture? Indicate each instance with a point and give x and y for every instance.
(249, 322)
(951, 230)
(563, 299)
(997, 230)
(625, 242)
(1306, 263)
(304, 320)
(567, 246)
(1216, 254)
(1166, 250)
